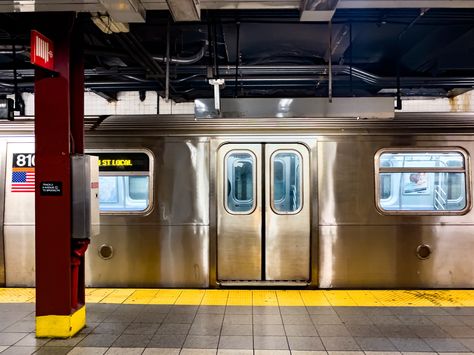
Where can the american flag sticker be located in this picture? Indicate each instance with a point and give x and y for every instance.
(23, 172)
(23, 180)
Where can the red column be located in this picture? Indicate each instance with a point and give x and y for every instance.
(77, 132)
(59, 110)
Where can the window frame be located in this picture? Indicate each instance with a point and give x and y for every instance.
(149, 173)
(272, 179)
(254, 181)
(427, 150)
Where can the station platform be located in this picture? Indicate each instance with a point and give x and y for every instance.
(245, 322)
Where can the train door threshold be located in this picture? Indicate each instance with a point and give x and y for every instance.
(258, 283)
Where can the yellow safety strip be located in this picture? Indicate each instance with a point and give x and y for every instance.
(364, 298)
(61, 326)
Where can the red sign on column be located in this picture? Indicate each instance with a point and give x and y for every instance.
(42, 51)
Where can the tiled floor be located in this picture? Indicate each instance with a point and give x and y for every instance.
(246, 330)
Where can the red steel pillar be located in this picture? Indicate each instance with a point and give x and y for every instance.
(59, 111)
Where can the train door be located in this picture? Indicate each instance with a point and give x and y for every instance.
(263, 213)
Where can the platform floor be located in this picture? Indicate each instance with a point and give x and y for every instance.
(246, 322)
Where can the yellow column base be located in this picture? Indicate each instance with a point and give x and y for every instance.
(61, 326)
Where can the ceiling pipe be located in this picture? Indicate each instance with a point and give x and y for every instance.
(8, 49)
(255, 74)
(167, 79)
(389, 82)
(135, 78)
(184, 60)
(237, 59)
(330, 62)
(351, 57)
(190, 72)
(272, 72)
(107, 52)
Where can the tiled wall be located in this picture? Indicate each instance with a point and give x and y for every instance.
(173, 108)
(460, 103)
(129, 103)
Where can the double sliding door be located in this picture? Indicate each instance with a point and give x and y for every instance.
(263, 226)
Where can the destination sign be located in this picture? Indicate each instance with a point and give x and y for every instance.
(123, 161)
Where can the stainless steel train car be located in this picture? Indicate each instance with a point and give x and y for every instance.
(317, 203)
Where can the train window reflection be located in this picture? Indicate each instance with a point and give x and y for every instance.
(240, 182)
(138, 187)
(422, 181)
(422, 159)
(385, 181)
(286, 182)
(123, 193)
(279, 186)
(385, 186)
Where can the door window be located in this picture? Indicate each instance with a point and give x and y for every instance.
(286, 177)
(240, 176)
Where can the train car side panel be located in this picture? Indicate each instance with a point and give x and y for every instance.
(149, 256)
(168, 244)
(19, 229)
(360, 246)
(387, 256)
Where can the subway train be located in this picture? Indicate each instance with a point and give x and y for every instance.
(271, 202)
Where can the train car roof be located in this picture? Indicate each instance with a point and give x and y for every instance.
(156, 125)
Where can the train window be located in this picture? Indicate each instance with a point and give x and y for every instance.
(286, 176)
(240, 176)
(123, 193)
(428, 181)
(124, 181)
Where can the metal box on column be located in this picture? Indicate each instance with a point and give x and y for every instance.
(85, 196)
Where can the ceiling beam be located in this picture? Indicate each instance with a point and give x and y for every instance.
(340, 42)
(398, 4)
(97, 6)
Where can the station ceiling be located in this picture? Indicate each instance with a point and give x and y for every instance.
(260, 48)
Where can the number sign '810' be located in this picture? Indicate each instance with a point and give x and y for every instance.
(24, 160)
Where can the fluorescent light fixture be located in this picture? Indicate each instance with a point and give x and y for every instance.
(125, 10)
(317, 10)
(185, 10)
(24, 5)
